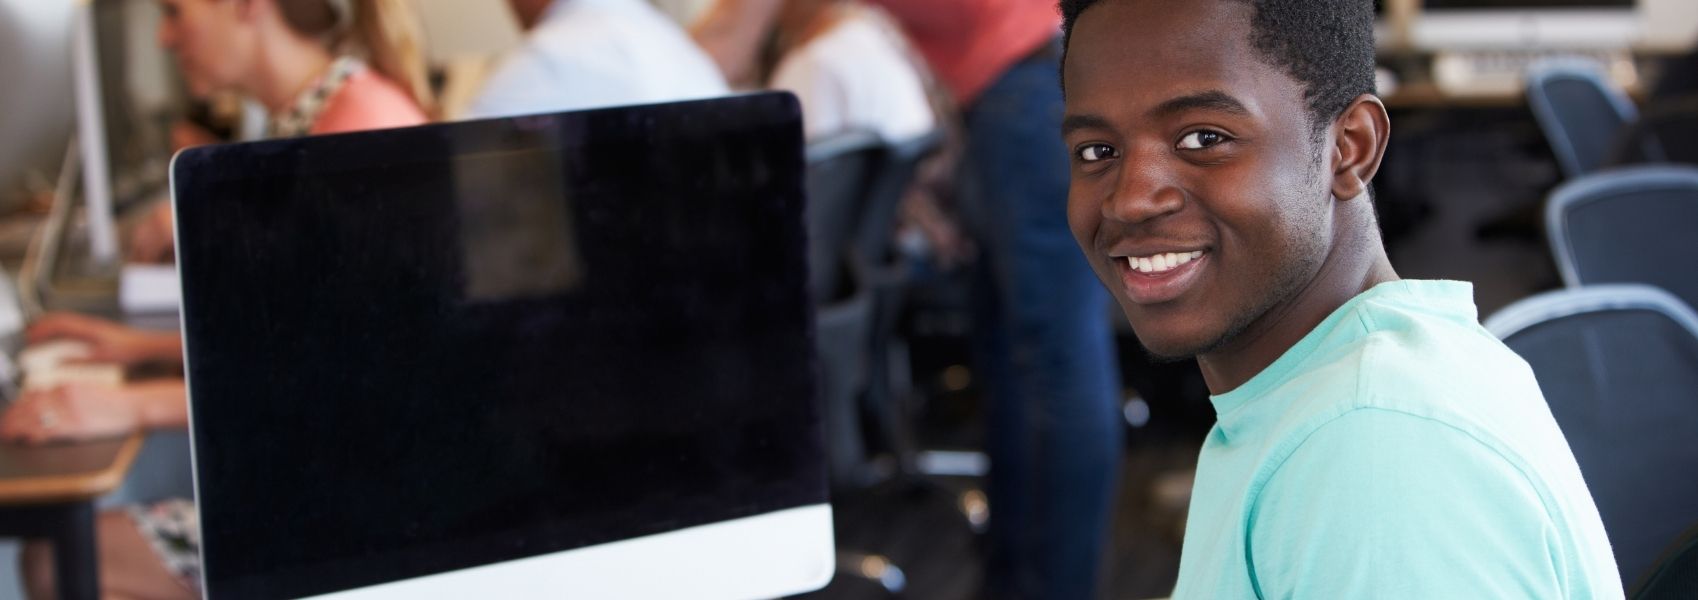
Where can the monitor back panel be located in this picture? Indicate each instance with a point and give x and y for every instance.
(427, 349)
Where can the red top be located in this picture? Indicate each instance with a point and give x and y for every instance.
(365, 101)
(969, 43)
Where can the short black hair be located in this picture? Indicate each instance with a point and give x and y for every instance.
(1326, 45)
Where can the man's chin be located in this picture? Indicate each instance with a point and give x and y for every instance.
(1164, 350)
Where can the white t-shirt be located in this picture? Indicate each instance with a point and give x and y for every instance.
(597, 53)
(855, 77)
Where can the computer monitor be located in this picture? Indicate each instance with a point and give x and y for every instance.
(1447, 25)
(33, 39)
(558, 356)
(126, 93)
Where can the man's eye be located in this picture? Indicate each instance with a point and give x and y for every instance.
(1095, 152)
(1197, 140)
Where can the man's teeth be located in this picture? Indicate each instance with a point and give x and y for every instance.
(1161, 263)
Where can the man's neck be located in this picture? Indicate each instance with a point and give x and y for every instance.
(1353, 268)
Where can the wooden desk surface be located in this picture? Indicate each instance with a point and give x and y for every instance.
(1428, 95)
(64, 472)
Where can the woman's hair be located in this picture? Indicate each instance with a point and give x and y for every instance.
(386, 31)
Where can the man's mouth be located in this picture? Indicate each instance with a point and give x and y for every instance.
(1160, 277)
(1161, 263)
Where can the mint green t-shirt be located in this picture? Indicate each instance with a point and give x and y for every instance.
(1397, 451)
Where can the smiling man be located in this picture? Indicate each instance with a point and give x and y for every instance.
(1373, 441)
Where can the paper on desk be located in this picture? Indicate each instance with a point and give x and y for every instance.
(149, 289)
(53, 363)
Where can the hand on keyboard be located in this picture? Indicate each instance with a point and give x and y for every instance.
(106, 341)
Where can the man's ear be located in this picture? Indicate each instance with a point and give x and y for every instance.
(1359, 142)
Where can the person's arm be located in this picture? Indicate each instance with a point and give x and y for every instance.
(1383, 504)
(77, 412)
(108, 341)
(731, 32)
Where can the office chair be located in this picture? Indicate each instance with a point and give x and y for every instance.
(1578, 110)
(839, 180)
(1676, 575)
(1618, 365)
(1666, 132)
(840, 174)
(889, 278)
(1630, 225)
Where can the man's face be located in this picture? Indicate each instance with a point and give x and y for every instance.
(1193, 159)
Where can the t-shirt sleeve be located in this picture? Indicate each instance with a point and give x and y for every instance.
(1383, 504)
(368, 102)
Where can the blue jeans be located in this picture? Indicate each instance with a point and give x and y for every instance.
(1046, 351)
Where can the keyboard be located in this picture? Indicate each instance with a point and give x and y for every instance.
(1503, 72)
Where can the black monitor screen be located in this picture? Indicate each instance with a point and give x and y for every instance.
(1524, 4)
(426, 349)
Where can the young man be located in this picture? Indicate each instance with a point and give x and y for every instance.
(1373, 441)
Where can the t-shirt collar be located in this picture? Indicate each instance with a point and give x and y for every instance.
(1237, 410)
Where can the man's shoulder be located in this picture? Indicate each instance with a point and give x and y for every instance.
(1429, 366)
(1405, 505)
(1379, 467)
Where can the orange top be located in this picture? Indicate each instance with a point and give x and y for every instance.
(368, 100)
(969, 43)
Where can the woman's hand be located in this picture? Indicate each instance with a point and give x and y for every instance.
(71, 412)
(109, 342)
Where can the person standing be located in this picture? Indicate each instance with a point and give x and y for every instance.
(1047, 352)
(1048, 357)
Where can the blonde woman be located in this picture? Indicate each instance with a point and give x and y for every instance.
(318, 66)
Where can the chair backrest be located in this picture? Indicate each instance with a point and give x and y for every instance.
(841, 171)
(1631, 225)
(1618, 365)
(1676, 575)
(1666, 131)
(1579, 111)
(901, 163)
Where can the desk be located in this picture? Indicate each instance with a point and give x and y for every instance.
(49, 492)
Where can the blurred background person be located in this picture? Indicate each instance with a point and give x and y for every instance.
(318, 66)
(581, 54)
(1055, 435)
(1047, 350)
(851, 69)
